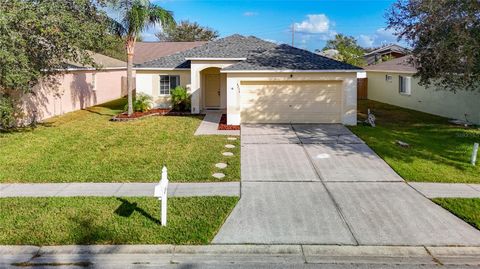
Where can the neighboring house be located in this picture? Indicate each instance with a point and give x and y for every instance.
(393, 83)
(255, 81)
(147, 51)
(390, 51)
(78, 87)
(329, 53)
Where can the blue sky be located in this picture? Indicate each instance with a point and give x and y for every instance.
(315, 21)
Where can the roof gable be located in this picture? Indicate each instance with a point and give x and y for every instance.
(387, 49)
(235, 46)
(401, 64)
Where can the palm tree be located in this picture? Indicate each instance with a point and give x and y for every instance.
(135, 17)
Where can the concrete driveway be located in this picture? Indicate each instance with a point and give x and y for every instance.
(320, 184)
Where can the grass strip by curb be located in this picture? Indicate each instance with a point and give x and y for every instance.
(467, 209)
(109, 220)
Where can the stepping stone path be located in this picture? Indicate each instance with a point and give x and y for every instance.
(227, 154)
(218, 175)
(221, 165)
(229, 146)
(232, 138)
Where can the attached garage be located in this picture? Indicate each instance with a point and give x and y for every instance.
(291, 101)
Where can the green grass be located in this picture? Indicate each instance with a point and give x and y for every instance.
(467, 209)
(438, 152)
(109, 220)
(84, 146)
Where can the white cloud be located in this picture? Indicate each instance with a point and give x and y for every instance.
(314, 24)
(272, 40)
(366, 41)
(380, 37)
(330, 35)
(149, 33)
(385, 36)
(250, 13)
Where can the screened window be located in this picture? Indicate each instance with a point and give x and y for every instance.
(404, 85)
(167, 83)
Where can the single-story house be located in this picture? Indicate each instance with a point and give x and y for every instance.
(392, 82)
(392, 51)
(77, 87)
(255, 81)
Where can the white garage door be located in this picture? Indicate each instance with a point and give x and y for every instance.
(291, 101)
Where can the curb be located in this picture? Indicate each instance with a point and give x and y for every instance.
(309, 254)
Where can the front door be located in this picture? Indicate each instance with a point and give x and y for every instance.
(212, 90)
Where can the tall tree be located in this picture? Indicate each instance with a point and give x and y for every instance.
(188, 32)
(38, 38)
(137, 16)
(348, 49)
(445, 40)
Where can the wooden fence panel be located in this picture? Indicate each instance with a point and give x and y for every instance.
(362, 88)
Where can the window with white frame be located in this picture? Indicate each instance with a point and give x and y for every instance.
(404, 85)
(167, 83)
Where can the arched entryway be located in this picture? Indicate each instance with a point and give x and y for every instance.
(212, 86)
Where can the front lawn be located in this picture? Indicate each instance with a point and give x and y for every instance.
(467, 209)
(438, 152)
(84, 146)
(101, 220)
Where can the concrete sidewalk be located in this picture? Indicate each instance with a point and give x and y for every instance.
(123, 255)
(117, 189)
(447, 190)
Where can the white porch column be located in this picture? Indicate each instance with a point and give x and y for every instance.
(233, 100)
(195, 89)
(349, 116)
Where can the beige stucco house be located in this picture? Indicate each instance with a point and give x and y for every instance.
(392, 82)
(255, 81)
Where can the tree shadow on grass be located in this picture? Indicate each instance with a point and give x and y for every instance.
(87, 233)
(110, 114)
(126, 209)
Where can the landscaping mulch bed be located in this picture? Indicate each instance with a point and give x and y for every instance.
(222, 125)
(152, 112)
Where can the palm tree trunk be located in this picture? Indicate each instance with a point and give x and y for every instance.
(130, 46)
(130, 83)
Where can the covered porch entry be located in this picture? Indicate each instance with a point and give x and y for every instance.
(213, 89)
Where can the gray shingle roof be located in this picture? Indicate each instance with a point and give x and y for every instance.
(235, 46)
(260, 54)
(285, 57)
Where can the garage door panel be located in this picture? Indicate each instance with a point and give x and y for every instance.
(296, 102)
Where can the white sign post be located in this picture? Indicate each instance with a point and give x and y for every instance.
(161, 193)
(473, 160)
